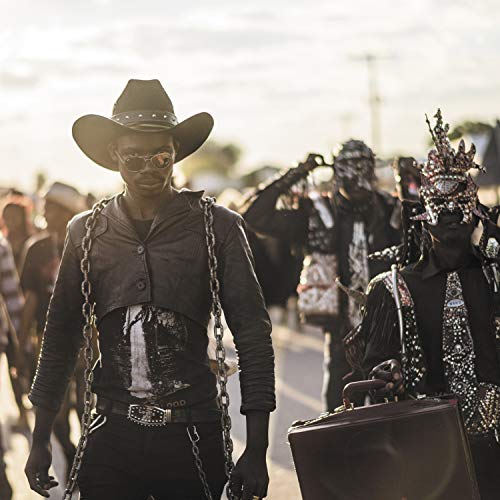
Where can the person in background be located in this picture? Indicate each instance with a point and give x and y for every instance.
(11, 303)
(407, 176)
(38, 276)
(337, 231)
(276, 268)
(17, 226)
(17, 229)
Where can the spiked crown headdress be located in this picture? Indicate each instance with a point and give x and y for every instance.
(446, 181)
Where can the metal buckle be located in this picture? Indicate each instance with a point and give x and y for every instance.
(149, 415)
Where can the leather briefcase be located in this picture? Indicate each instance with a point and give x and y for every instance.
(408, 450)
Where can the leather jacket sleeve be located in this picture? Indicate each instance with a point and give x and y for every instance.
(247, 318)
(264, 218)
(379, 329)
(62, 337)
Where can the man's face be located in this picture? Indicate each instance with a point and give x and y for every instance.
(451, 230)
(56, 216)
(150, 181)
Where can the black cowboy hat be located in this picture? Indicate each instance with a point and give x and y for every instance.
(143, 107)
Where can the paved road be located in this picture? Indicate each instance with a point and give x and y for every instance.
(298, 370)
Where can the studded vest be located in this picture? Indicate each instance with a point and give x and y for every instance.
(479, 402)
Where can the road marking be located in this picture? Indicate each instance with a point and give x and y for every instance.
(299, 396)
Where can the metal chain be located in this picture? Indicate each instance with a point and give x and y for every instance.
(223, 397)
(89, 324)
(194, 438)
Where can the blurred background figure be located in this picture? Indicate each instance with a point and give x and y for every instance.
(277, 268)
(39, 271)
(11, 303)
(17, 225)
(407, 176)
(337, 229)
(17, 228)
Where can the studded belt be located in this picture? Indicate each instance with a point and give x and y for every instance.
(155, 416)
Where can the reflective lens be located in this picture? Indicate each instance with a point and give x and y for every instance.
(137, 163)
(161, 160)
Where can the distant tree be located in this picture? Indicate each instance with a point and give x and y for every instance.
(213, 157)
(467, 128)
(470, 128)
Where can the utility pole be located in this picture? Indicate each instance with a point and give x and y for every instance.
(374, 99)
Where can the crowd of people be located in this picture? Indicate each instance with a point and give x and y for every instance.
(148, 266)
(30, 259)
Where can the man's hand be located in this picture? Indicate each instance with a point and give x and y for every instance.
(250, 478)
(390, 372)
(312, 161)
(37, 468)
(38, 464)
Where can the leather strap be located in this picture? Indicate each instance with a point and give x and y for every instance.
(176, 415)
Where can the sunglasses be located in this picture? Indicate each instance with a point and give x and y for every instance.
(136, 163)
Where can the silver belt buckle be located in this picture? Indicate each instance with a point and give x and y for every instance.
(149, 415)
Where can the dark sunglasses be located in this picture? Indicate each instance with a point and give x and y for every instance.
(136, 163)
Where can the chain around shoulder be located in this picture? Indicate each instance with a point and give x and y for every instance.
(223, 397)
(89, 323)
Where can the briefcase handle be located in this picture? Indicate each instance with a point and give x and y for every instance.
(361, 386)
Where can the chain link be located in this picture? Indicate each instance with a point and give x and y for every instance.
(88, 327)
(223, 397)
(194, 438)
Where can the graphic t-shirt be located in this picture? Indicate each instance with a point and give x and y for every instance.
(153, 355)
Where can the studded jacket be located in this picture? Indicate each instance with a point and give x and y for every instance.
(429, 325)
(327, 225)
(169, 269)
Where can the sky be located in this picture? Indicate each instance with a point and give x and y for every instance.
(281, 78)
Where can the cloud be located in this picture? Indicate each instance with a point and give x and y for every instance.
(10, 78)
(277, 75)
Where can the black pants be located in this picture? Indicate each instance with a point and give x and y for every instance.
(335, 368)
(486, 455)
(126, 461)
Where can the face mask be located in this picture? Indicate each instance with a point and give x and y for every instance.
(357, 172)
(447, 194)
(354, 166)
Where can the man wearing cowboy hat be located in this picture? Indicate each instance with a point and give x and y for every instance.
(157, 411)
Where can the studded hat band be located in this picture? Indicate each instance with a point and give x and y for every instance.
(146, 119)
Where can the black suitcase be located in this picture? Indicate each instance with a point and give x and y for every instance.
(408, 450)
